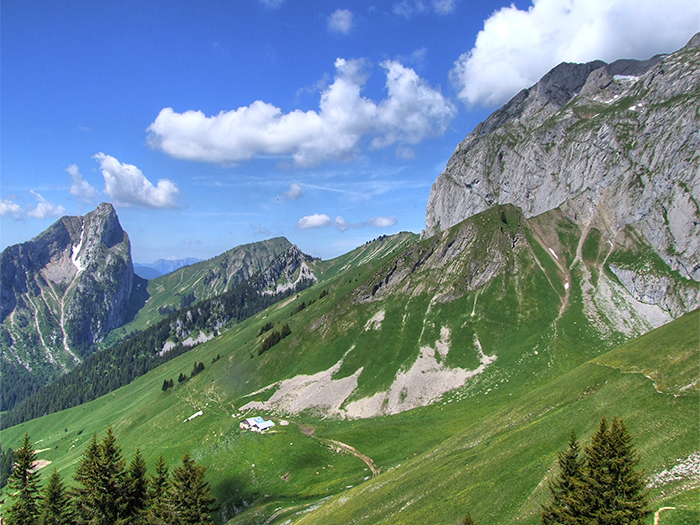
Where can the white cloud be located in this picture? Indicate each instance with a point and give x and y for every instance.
(10, 208)
(382, 222)
(340, 21)
(516, 48)
(314, 221)
(412, 111)
(44, 209)
(341, 223)
(295, 192)
(127, 186)
(80, 188)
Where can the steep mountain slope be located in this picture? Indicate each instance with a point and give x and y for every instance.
(485, 303)
(615, 146)
(62, 292)
(206, 279)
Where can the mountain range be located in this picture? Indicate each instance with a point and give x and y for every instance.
(419, 379)
(162, 267)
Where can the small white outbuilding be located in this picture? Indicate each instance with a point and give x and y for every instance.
(256, 424)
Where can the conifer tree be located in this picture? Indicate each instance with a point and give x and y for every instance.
(614, 492)
(102, 498)
(87, 477)
(136, 493)
(23, 486)
(468, 520)
(608, 489)
(189, 499)
(157, 489)
(55, 505)
(564, 508)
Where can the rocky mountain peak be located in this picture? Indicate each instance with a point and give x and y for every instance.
(64, 290)
(613, 145)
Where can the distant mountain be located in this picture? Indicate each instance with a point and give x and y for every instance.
(61, 293)
(614, 146)
(206, 279)
(146, 272)
(162, 267)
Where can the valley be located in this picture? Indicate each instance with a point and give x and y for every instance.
(416, 378)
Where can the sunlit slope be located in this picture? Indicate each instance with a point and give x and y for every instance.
(374, 250)
(473, 350)
(206, 279)
(497, 464)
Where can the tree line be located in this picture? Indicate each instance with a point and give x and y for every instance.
(112, 368)
(107, 492)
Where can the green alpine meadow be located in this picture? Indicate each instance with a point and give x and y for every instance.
(532, 357)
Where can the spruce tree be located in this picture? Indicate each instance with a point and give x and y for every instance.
(564, 508)
(136, 493)
(87, 477)
(189, 499)
(615, 491)
(101, 500)
(604, 489)
(157, 489)
(112, 500)
(23, 486)
(55, 505)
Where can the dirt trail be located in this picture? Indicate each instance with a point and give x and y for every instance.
(343, 447)
(339, 447)
(658, 512)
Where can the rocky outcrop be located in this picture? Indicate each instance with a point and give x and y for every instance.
(63, 291)
(613, 145)
(290, 271)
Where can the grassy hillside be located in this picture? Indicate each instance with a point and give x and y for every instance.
(206, 279)
(502, 299)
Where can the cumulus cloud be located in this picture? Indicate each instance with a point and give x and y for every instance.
(313, 221)
(382, 222)
(295, 192)
(341, 223)
(127, 186)
(516, 48)
(80, 188)
(9, 208)
(412, 111)
(44, 209)
(323, 220)
(340, 21)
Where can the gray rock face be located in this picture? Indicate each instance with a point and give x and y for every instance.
(615, 146)
(63, 291)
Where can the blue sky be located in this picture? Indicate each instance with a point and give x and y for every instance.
(212, 124)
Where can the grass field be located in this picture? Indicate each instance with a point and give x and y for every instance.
(487, 447)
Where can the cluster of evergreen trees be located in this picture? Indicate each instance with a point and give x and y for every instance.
(274, 338)
(601, 487)
(107, 492)
(110, 369)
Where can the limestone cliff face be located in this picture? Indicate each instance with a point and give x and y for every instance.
(63, 291)
(615, 146)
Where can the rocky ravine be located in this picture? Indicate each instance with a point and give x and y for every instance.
(614, 145)
(63, 291)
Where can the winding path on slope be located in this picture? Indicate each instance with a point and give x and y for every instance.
(339, 447)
